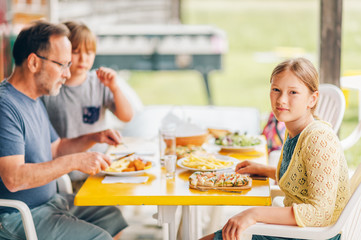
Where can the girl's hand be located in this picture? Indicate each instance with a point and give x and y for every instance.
(237, 224)
(108, 77)
(250, 168)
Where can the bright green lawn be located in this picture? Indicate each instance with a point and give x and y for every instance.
(283, 28)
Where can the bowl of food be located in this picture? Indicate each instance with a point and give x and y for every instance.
(196, 140)
(239, 142)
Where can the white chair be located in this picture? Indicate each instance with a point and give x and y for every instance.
(353, 82)
(64, 186)
(331, 105)
(349, 222)
(331, 108)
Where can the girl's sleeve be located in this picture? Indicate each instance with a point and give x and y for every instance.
(321, 155)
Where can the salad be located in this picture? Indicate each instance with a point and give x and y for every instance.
(237, 140)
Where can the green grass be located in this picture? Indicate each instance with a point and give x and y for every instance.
(282, 28)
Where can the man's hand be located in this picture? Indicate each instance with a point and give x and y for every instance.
(108, 77)
(91, 162)
(82, 143)
(109, 136)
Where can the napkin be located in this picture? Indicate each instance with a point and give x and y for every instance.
(114, 179)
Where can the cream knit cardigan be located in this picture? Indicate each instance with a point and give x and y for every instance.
(316, 182)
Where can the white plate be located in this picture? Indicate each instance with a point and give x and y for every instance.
(221, 157)
(241, 148)
(133, 173)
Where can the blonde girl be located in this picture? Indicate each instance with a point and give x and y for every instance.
(312, 171)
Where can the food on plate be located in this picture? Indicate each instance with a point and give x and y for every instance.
(205, 162)
(237, 140)
(184, 151)
(218, 180)
(129, 164)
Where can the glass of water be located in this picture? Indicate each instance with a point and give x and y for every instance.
(170, 165)
(167, 142)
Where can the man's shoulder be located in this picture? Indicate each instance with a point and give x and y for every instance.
(5, 94)
(4, 87)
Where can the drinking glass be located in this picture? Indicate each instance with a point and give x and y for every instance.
(170, 165)
(167, 142)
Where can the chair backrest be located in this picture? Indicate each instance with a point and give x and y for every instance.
(351, 214)
(355, 180)
(64, 186)
(26, 216)
(147, 122)
(331, 105)
(348, 223)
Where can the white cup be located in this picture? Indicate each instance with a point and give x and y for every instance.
(170, 165)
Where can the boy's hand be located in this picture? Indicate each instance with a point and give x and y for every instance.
(108, 77)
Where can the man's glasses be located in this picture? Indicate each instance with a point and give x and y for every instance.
(63, 67)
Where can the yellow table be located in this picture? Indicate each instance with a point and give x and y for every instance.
(168, 195)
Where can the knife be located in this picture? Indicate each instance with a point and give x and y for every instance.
(122, 157)
(143, 153)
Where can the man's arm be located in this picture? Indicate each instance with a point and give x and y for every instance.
(82, 143)
(18, 175)
(67, 155)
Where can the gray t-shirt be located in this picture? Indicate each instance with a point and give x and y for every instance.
(25, 130)
(81, 109)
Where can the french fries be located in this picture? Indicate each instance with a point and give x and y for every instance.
(118, 166)
(205, 163)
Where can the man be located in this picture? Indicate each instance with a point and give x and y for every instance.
(32, 156)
